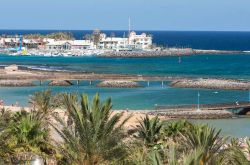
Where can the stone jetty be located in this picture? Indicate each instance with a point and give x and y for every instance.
(118, 84)
(200, 51)
(60, 83)
(150, 53)
(167, 52)
(212, 84)
(194, 114)
(15, 83)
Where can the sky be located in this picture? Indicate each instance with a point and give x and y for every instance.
(177, 15)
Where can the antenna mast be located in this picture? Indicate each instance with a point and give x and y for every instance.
(129, 26)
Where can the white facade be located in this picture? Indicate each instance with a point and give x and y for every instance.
(113, 43)
(142, 41)
(70, 45)
(134, 41)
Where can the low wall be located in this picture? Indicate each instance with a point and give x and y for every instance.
(202, 114)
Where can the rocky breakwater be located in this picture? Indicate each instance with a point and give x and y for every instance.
(15, 83)
(60, 83)
(194, 114)
(118, 84)
(199, 51)
(148, 53)
(212, 84)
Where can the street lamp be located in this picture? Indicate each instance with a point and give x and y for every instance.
(156, 109)
(249, 95)
(198, 101)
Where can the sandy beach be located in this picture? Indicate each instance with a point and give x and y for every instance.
(135, 115)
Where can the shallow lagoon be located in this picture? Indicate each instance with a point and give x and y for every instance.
(136, 98)
(225, 66)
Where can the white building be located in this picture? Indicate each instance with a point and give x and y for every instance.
(15, 42)
(113, 43)
(142, 41)
(69, 45)
(134, 41)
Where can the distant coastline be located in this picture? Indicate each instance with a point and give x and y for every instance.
(116, 44)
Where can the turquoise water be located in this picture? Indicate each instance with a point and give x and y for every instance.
(227, 66)
(223, 66)
(238, 127)
(138, 98)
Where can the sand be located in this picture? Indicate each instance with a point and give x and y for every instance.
(135, 115)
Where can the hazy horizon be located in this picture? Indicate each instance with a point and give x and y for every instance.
(123, 30)
(153, 15)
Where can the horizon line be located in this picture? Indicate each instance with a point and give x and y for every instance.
(131, 30)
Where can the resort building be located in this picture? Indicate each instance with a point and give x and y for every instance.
(15, 42)
(113, 43)
(101, 42)
(70, 45)
(142, 41)
(133, 42)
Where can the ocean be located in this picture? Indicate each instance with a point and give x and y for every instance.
(220, 66)
(147, 97)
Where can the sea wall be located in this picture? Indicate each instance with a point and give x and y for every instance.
(212, 84)
(200, 51)
(118, 84)
(165, 52)
(150, 53)
(193, 114)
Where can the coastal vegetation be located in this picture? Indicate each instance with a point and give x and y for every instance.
(55, 35)
(69, 129)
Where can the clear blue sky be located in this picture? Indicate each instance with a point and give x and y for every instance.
(219, 15)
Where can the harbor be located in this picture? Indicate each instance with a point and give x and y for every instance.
(97, 43)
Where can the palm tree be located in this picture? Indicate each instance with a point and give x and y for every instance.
(5, 117)
(174, 128)
(87, 37)
(234, 153)
(96, 36)
(5, 150)
(204, 142)
(44, 103)
(27, 136)
(139, 154)
(95, 135)
(149, 130)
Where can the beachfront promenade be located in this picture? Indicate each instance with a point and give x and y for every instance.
(220, 106)
(205, 111)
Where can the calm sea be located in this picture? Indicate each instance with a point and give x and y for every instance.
(221, 66)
